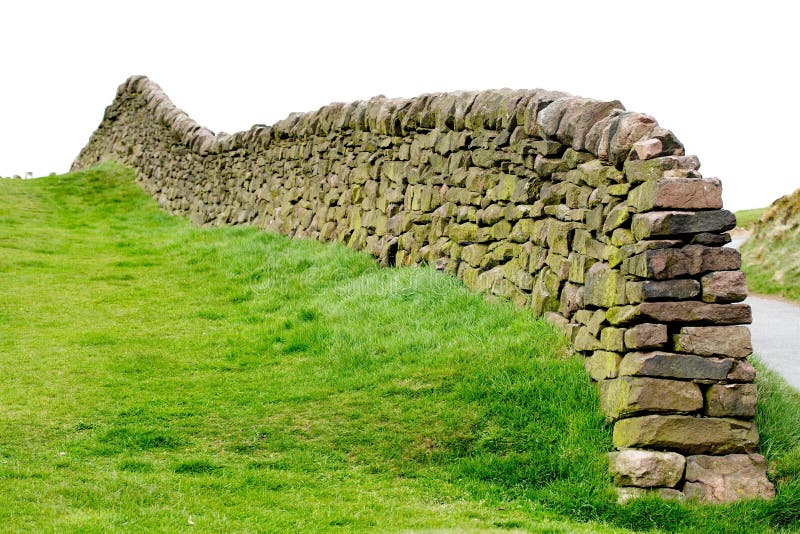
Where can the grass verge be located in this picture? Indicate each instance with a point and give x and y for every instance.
(157, 375)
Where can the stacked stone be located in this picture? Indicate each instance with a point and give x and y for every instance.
(664, 327)
(573, 207)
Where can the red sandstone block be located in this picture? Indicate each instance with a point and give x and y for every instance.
(677, 193)
(665, 263)
(724, 286)
(673, 223)
(732, 341)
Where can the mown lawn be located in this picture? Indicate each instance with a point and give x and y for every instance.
(162, 377)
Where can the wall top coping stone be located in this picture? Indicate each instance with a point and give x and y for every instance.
(604, 129)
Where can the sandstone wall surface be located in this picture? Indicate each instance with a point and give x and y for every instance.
(572, 207)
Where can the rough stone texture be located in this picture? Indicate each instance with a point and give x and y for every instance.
(681, 289)
(603, 364)
(724, 479)
(648, 149)
(685, 367)
(569, 206)
(731, 400)
(646, 469)
(677, 193)
(686, 434)
(724, 286)
(710, 239)
(714, 341)
(653, 169)
(695, 312)
(742, 371)
(585, 341)
(604, 287)
(691, 260)
(673, 223)
(646, 336)
(626, 395)
(612, 339)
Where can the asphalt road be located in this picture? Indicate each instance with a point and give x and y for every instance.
(775, 331)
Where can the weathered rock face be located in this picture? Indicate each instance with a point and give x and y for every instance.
(686, 434)
(627, 395)
(714, 341)
(722, 479)
(646, 469)
(575, 208)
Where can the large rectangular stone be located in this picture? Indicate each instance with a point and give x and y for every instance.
(684, 366)
(646, 469)
(675, 223)
(629, 395)
(692, 311)
(686, 434)
(665, 263)
(646, 336)
(725, 479)
(730, 341)
(724, 286)
(731, 400)
(649, 290)
(677, 193)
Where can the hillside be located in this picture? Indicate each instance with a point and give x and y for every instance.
(771, 255)
(158, 376)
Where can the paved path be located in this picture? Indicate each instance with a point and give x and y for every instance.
(775, 331)
(776, 335)
(736, 242)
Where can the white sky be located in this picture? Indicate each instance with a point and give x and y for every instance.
(722, 75)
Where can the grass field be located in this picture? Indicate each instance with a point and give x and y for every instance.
(747, 218)
(162, 377)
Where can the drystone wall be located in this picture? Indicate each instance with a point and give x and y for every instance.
(572, 207)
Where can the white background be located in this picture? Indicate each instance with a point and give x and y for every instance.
(722, 75)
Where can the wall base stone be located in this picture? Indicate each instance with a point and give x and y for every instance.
(724, 479)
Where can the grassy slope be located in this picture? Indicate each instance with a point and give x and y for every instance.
(771, 256)
(154, 372)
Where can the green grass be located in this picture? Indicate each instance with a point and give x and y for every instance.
(747, 218)
(771, 256)
(156, 374)
(773, 269)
